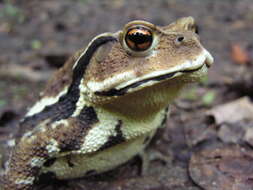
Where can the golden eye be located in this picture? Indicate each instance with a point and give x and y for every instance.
(139, 38)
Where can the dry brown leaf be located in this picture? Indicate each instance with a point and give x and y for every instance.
(13, 70)
(223, 168)
(232, 112)
(239, 54)
(249, 135)
(231, 133)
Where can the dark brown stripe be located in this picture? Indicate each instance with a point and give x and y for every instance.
(146, 140)
(114, 140)
(90, 172)
(72, 138)
(49, 162)
(120, 92)
(165, 116)
(66, 105)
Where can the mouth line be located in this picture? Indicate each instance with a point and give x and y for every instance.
(122, 91)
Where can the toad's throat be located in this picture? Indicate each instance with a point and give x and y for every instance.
(123, 91)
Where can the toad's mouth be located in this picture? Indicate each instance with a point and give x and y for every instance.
(202, 62)
(123, 91)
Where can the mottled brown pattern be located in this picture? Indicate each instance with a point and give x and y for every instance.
(62, 77)
(19, 167)
(68, 137)
(182, 24)
(116, 61)
(171, 54)
(168, 53)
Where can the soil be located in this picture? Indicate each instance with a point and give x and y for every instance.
(36, 37)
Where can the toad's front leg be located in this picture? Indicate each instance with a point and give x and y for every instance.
(26, 161)
(38, 146)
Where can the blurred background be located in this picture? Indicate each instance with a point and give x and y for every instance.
(211, 123)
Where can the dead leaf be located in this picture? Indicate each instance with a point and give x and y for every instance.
(248, 137)
(223, 168)
(197, 133)
(232, 132)
(239, 54)
(232, 112)
(14, 70)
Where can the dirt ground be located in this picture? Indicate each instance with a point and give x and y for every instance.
(209, 136)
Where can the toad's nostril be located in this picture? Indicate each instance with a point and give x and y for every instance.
(180, 39)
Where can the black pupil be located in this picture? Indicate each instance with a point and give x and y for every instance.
(141, 39)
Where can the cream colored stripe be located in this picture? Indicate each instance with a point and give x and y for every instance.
(46, 101)
(26, 181)
(87, 47)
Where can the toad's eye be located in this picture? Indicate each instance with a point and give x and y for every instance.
(139, 38)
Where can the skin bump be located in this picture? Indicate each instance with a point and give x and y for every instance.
(53, 147)
(114, 139)
(29, 180)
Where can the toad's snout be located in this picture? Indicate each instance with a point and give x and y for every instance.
(209, 58)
